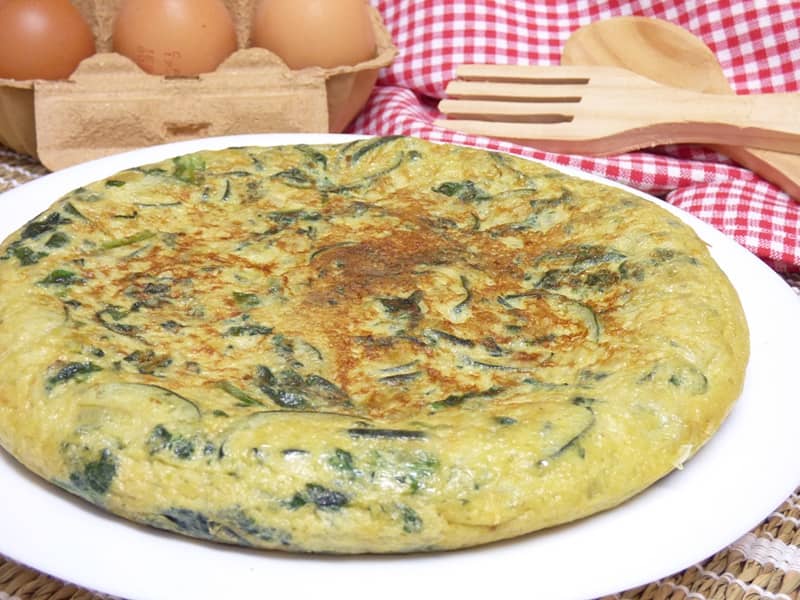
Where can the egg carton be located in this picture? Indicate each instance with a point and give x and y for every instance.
(110, 105)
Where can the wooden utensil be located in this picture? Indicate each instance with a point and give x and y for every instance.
(669, 54)
(607, 110)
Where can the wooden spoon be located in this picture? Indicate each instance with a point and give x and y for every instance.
(669, 54)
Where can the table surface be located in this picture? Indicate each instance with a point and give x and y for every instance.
(764, 563)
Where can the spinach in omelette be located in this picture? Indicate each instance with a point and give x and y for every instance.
(387, 345)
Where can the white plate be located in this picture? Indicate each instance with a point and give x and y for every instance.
(737, 479)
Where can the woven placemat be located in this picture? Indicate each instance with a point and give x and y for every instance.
(764, 563)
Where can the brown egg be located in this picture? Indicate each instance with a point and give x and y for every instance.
(42, 39)
(304, 33)
(174, 37)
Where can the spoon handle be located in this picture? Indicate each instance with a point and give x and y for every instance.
(779, 168)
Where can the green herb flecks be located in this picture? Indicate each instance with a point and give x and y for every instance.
(227, 191)
(317, 175)
(231, 525)
(400, 378)
(690, 379)
(288, 218)
(342, 460)
(36, 228)
(461, 306)
(290, 389)
(411, 468)
(128, 240)
(587, 376)
(563, 305)
(579, 257)
(599, 280)
(577, 428)
(370, 145)
(317, 158)
(96, 477)
(58, 240)
(537, 384)
(400, 368)
(321, 497)
(584, 401)
(164, 397)
(237, 520)
(466, 191)
(83, 194)
(492, 366)
(660, 256)
(161, 439)
(109, 318)
(284, 347)
(459, 399)
(505, 162)
(492, 347)
(247, 329)
(412, 522)
(435, 335)
(24, 255)
(243, 397)
(392, 434)
(70, 371)
(295, 178)
(189, 168)
(158, 439)
(407, 307)
(190, 522)
(366, 181)
(316, 253)
(326, 391)
(147, 362)
(70, 209)
(61, 277)
(580, 267)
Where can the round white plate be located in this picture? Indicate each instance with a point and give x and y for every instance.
(737, 479)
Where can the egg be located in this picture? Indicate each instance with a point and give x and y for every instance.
(174, 37)
(42, 39)
(324, 33)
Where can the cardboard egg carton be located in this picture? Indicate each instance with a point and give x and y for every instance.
(110, 105)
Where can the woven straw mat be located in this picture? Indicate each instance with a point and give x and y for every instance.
(765, 563)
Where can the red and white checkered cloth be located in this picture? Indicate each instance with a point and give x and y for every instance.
(756, 41)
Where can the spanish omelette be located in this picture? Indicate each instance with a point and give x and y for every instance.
(387, 345)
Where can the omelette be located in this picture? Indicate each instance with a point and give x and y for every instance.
(381, 346)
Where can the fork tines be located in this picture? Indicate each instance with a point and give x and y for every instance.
(515, 93)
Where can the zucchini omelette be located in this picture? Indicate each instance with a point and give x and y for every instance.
(387, 345)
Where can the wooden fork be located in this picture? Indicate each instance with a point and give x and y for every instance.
(608, 110)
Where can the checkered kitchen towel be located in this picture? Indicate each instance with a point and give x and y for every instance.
(756, 41)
